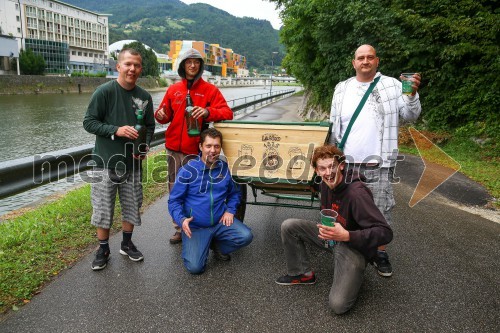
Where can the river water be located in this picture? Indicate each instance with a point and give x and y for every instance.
(36, 124)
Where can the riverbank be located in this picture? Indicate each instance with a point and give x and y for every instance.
(40, 84)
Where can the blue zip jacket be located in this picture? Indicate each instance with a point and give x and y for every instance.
(204, 193)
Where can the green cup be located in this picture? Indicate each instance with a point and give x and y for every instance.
(328, 218)
(407, 83)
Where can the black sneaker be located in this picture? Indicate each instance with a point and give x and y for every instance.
(129, 249)
(219, 255)
(289, 280)
(101, 259)
(382, 264)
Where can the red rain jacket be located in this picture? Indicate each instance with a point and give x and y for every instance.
(203, 94)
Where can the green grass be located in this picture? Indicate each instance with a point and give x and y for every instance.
(38, 244)
(175, 25)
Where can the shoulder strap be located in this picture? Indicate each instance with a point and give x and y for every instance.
(358, 110)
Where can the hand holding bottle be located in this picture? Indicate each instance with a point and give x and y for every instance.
(198, 112)
(128, 132)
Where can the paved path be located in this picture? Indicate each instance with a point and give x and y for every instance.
(446, 279)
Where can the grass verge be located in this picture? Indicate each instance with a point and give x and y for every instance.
(38, 244)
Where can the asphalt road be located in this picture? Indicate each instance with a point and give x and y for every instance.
(445, 261)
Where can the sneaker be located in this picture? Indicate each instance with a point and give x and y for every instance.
(289, 280)
(176, 238)
(217, 253)
(131, 251)
(101, 259)
(382, 264)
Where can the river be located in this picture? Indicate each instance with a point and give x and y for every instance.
(36, 124)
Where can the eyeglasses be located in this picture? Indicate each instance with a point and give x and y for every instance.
(192, 62)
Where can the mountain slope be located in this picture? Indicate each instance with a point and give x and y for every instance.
(156, 22)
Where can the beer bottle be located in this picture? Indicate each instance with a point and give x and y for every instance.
(193, 126)
(140, 146)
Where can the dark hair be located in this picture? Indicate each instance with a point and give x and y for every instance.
(130, 50)
(327, 151)
(211, 132)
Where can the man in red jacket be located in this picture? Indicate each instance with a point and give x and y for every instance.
(209, 105)
(359, 229)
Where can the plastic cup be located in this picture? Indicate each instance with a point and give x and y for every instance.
(328, 218)
(407, 83)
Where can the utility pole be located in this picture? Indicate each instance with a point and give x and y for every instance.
(272, 70)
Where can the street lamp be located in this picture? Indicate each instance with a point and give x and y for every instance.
(272, 70)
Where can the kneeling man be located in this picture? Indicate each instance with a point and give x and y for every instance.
(203, 202)
(360, 228)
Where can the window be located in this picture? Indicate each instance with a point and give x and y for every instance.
(79, 53)
(17, 18)
(73, 52)
(19, 30)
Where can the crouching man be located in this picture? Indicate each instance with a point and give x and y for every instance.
(359, 229)
(203, 202)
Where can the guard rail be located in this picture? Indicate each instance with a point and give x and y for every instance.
(25, 173)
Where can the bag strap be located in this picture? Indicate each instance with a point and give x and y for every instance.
(356, 113)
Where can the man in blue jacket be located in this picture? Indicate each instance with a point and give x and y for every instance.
(203, 202)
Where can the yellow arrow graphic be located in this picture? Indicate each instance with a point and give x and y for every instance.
(438, 167)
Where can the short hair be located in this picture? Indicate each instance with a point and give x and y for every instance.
(327, 151)
(130, 50)
(211, 132)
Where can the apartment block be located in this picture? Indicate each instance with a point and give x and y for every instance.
(68, 37)
(218, 60)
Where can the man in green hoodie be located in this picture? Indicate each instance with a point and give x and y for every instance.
(111, 116)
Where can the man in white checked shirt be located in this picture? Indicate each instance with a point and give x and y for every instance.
(372, 144)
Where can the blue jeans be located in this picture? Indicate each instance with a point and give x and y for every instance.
(228, 239)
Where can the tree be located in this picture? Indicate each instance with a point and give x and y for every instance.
(454, 44)
(149, 60)
(31, 63)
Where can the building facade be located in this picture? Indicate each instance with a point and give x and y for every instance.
(68, 37)
(164, 62)
(218, 60)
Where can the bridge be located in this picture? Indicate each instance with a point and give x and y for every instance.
(238, 81)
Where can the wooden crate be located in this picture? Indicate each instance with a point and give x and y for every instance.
(280, 151)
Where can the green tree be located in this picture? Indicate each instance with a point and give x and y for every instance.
(454, 44)
(149, 60)
(31, 63)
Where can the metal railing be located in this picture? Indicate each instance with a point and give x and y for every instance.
(26, 173)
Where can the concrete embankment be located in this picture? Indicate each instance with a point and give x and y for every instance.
(39, 84)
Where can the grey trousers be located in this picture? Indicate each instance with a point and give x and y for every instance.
(349, 264)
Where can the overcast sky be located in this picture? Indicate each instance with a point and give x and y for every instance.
(260, 9)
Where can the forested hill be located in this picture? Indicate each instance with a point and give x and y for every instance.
(156, 22)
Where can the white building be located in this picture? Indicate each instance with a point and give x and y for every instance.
(164, 61)
(68, 37)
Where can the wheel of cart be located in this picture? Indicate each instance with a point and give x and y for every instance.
(273, 159)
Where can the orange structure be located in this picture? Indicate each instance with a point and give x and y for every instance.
(218, 60)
